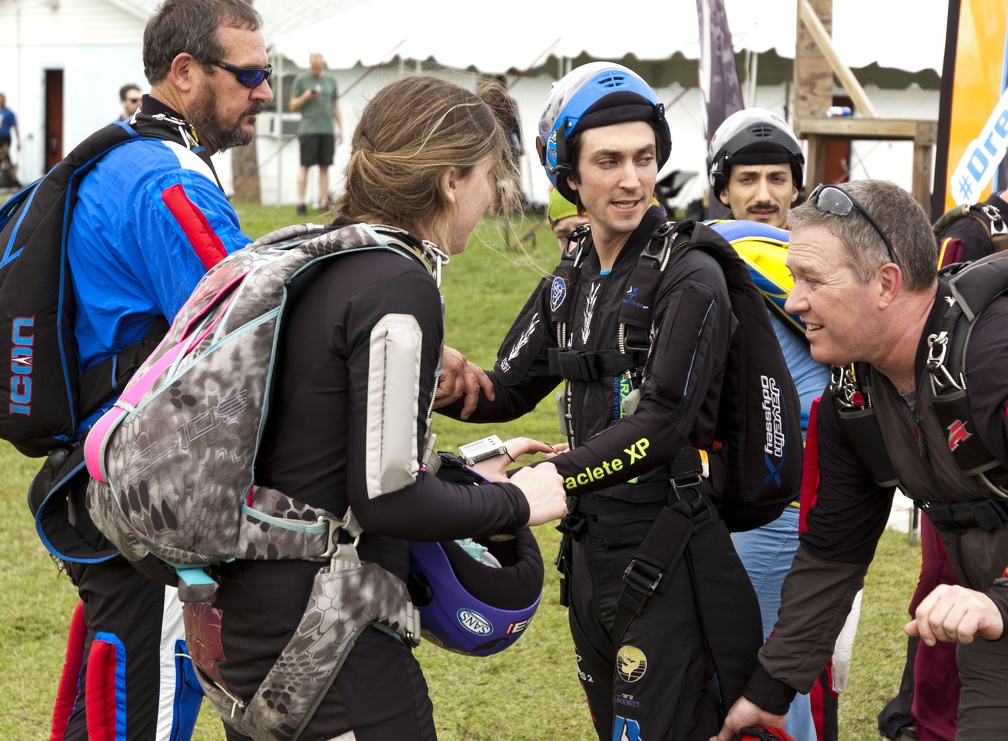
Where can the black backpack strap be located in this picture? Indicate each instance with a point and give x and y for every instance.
(987, 514)
(107, 378)
(638, 305)
(662, 547)
(58, 487)
(852, 399)
(635, 311)
(590, 366)
(973, 286)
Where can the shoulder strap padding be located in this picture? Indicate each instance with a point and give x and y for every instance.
(39, 403)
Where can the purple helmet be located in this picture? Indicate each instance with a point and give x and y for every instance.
(468, 606)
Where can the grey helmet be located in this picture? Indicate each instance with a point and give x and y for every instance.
(753, 136)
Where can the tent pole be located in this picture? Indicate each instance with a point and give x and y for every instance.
(280, 128)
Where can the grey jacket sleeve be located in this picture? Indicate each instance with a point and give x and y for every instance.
(815, 600)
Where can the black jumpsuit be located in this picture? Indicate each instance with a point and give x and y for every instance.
(346, 427)
(663, 686)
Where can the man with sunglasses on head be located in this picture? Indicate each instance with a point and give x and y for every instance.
(150, 219)
(863, 256)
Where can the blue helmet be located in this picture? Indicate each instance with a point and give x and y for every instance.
(595, 94)
(470, 606)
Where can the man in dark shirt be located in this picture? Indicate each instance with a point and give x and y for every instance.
(602, 138)
(864, 262)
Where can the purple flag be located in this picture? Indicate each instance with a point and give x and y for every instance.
(719, 82)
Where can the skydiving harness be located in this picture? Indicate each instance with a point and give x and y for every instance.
(987, 214)
(757, 483)
(973, 285)
(624, 521)
(671, 519)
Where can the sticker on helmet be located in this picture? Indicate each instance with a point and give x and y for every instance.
(517, 627)
(474, 622)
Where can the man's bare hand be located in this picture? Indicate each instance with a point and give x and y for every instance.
(558, 449)
(955, 614)
(460, 378)
(493, 469)
(744, 713)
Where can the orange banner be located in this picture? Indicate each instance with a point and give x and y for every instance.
(973, 123)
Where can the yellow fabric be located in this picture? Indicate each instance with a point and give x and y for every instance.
(559, 207)
(765, 257)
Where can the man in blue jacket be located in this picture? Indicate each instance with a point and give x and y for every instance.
(151, 217)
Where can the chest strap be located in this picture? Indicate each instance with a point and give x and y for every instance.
(580, 365)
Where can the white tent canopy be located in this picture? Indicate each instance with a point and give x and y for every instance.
(521, 34)
(367, 43)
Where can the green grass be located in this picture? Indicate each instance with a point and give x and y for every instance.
(527, 692)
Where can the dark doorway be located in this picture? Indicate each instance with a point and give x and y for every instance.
(53, 117)
(838, 151)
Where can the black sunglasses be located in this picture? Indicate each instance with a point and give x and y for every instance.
(250, 77)
(832, 200)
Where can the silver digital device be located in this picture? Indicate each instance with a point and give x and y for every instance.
(480, 450)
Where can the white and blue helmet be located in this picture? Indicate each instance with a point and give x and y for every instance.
(595, 94)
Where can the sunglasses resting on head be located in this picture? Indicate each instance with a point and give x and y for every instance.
(833, 200)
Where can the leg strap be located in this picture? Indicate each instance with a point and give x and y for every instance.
(659, 552)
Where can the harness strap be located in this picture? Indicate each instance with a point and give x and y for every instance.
(110, 375)
(649, 496)
(658, 554)
(308, 665)
(663, 545)
(276, 527)
(571, 528)
(580, 365)
(852, 398)
(642, 290)
(987, 514)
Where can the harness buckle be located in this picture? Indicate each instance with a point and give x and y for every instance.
(686, 481)
(411, 631)
(843, 386)
(336, 551)
(997, 223)
(643, 575)
(941, 379)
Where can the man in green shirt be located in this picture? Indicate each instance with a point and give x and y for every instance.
(316, 96)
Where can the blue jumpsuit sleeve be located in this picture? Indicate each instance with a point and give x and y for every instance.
(151, 238)
(191, 218)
